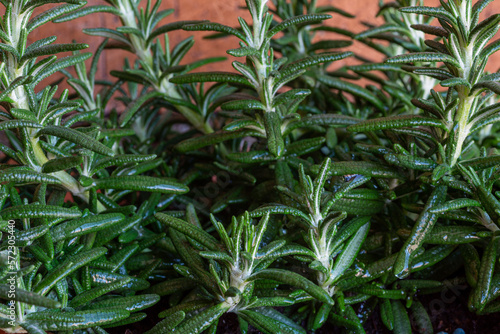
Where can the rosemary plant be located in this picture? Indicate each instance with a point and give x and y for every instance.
(46, 259)
(284, 197)
(447, 167)
(266, 113)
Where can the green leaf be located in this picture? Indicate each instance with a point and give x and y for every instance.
(215, 27)
(379, 292)
(140, 183)
(481, 163)
(455, 235)
(67, 267)
(356, 206)
(483, 85)
(168, 324)
(26, 237)
(279, 209)
(217, 256)
(346, 231)
(243, 105)
(421, 318)
(89, 295)
(297, 20)
(33, 211)
(349, 253)
(313, 61)
(82, 226)
(60, 64)
(189, 230)
(59, 164)
(402, 323)
(387, 314)
(19, 81)
(436, 73)
(133, 107)
(16, 123)
(431, 30)
(490, 49)
(251, 157)
(396, 122)
(103, 277)
(372, 271)
(52, 49)
(329, 44)
(48, 315)
(472, 263)
(481, 292)
(267, 324)
(305, 146)
(9, 49)
(424, 57)
(26, 176)
(428, 106)
(381, 30)
(130, 303)
(455, 204)
(202, 320)
(422, 227)
(24, 114)
(88, 10)
(377, 67)
(76, 137)
(30, 327)
(455, 82)
(291, 95)
(58, 110)
(225, 77)
(119, 160)
(275, 142)
(92, 319)
(411, 162)
(321, 316)
(327, 120)
(246, 51)
(484, 30)
(430, 11)
(341, 168)
(295, 280)
(27, 297)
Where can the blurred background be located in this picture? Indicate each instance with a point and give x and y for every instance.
(226, 12)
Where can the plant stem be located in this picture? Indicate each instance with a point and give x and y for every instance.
(143, 52)
(461, 121)
(18, 95)
(462, 127)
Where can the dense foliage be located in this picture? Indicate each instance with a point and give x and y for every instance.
(285, 192)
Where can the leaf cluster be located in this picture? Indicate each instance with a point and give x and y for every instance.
(287, 192)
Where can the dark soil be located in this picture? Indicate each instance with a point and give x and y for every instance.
(448, 313)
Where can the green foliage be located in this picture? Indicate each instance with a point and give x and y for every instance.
(288, 192)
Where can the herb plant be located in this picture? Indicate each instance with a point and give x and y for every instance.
(285, 193)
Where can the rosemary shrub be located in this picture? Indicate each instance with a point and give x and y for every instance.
(284, 192)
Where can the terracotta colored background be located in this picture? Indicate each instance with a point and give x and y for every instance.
(222, 11)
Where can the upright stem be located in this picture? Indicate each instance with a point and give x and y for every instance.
(143, 52)
(20, 100)
(461, 121)
(462, 127)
